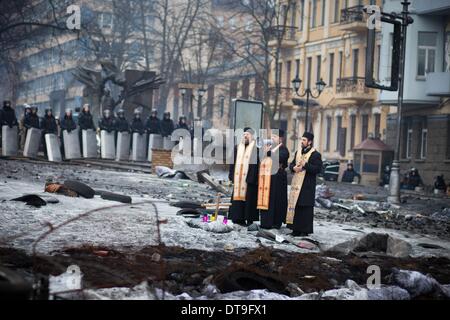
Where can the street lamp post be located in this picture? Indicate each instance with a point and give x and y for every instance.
(320, 85)
(394, 180)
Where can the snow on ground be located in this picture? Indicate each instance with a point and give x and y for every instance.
(134, 226)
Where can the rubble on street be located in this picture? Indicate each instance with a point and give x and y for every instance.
(158, 245)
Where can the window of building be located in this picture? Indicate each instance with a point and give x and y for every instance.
(340, 64)
(313, 20)
(280, 74)
(337, 11)
(327, 147)
(377, 69)
(355, 62)
(308, 75)
(106, 20)
(331, 70)
(301, 15)
(426, 55)
(248, 26)
(422, 135)
(322, 15)
(221, 105)
(407, 138)
(365, 127)
(377, 125)
(220, 22)
(338, 131)
(319, 67)
(423, 144)
(297, 67)
(245, 88)
(232, 22)
(288, 73)
(352, 131)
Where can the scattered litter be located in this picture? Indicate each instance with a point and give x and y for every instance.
(106, 195)
(31, 200)
(215, 226)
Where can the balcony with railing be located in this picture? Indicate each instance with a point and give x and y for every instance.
(284, 34)
(353, 19)
(353, 90)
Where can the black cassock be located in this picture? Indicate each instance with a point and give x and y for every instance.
(245, 212)
(278, 200)
(304, 209)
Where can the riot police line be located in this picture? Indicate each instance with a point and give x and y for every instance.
(70, 139)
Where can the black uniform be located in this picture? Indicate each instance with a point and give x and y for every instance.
(122, 125)
(278, 201)
(85, 121)
(153, 125)
(182, 125)
(167, 127)
(304, 209)
(245, 212)
(49, 125)
(137, 126)
(31, 120)
(9, 117)
(349, 175)
(107, 124)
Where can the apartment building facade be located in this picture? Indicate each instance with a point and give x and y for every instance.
(326, 39)
(46, 69)
(425, 131)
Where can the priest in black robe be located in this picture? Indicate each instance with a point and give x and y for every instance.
(275, 216)
(306, 165)
(244, 175)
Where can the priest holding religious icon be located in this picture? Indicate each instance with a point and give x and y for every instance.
(307, 163)
(272, 184)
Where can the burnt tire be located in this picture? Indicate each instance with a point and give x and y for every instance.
(187, 204)
(82, 189)
(245, 281)
(106, 195)
(189, 213)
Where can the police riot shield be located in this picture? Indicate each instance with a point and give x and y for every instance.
(123, 146)
(32, 143)
(52, 145)
(89, 141)
(168, 144)
(108, 146)
(155, 141)
(71, 144)
(139, 149)
(9, 141)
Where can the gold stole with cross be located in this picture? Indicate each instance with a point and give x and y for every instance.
(264, 180)
(296, 186)
(241, 169)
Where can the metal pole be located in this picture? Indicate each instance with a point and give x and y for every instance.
(307, 109)
(394, 181)
(199, 107)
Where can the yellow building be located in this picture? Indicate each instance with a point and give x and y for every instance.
(326, 39)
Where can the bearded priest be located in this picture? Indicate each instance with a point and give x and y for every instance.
(244, 175)
(306, 165)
